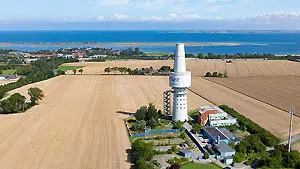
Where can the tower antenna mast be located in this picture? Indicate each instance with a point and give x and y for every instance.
(291, 126)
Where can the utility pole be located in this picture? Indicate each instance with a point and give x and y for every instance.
(290, 130)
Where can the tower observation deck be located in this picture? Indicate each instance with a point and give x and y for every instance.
(180, 80)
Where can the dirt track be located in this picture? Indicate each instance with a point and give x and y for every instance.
(76, 126)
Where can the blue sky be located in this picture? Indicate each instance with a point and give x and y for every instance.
(150, 14)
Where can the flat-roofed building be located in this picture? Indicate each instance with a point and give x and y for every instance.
(214, 135)
(224, 152)
(214, 116)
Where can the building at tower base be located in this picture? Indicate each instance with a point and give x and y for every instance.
(180, 80)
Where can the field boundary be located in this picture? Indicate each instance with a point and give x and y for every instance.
(251, 96)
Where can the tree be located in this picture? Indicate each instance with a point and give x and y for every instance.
(174, 148)
(74, 71)
(200, 56)
(141, 113)
(178, 125)
(165, 69)
(239, 157)
(7, 106)
(210, 55)
(197, 128)
(107, 70)
(208, 74)
(60, 72)
(80, 71)
(139, 125)
(143, 164)
(24, 70)
(14, 104)
(152, 123)
(206, 155)
(215, 74)
(151, 113)
(175, 166)
(220, 75)
(35, 94)
(137, 51)
(18, 101)
(142, 149)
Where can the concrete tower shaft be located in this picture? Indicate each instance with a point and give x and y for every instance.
(180, 80)
(179, 62)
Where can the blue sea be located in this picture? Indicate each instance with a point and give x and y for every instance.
(278, 42)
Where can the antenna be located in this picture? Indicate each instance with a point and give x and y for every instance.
(290, 130)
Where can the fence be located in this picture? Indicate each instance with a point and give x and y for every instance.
(149, 131)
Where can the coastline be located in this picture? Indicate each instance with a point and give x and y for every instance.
(8, 44)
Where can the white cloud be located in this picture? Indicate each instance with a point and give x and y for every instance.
(173, 15)
(120, 16)
(111, 2)
(216, 1)
(277, 17)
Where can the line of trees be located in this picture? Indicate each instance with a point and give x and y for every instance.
(16, 103)
(164, 70)
(122, 70)
(37, 71)
(216, 74)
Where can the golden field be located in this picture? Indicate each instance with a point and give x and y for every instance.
(77, 125)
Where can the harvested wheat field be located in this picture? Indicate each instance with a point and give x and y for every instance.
(269, 117)
(239, 68)
(296, 146)
(76, 126)
(279, 91)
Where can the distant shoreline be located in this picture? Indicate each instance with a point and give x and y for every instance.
(8, 44)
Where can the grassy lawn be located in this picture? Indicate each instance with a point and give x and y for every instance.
(198, 166)
(65, 68)
(9, 72)
(132, 139)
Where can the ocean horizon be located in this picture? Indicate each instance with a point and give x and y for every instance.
(197, 41)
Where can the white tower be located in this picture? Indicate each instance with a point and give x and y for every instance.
(180, 80)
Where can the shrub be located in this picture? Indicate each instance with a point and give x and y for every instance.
(208, 74)
(139, 125)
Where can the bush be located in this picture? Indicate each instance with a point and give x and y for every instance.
(175, 166)
(196, 128)
(208, 74)
(178, 125)
(139, 125)
(239, 157)
(174, 148)
(206, 155)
